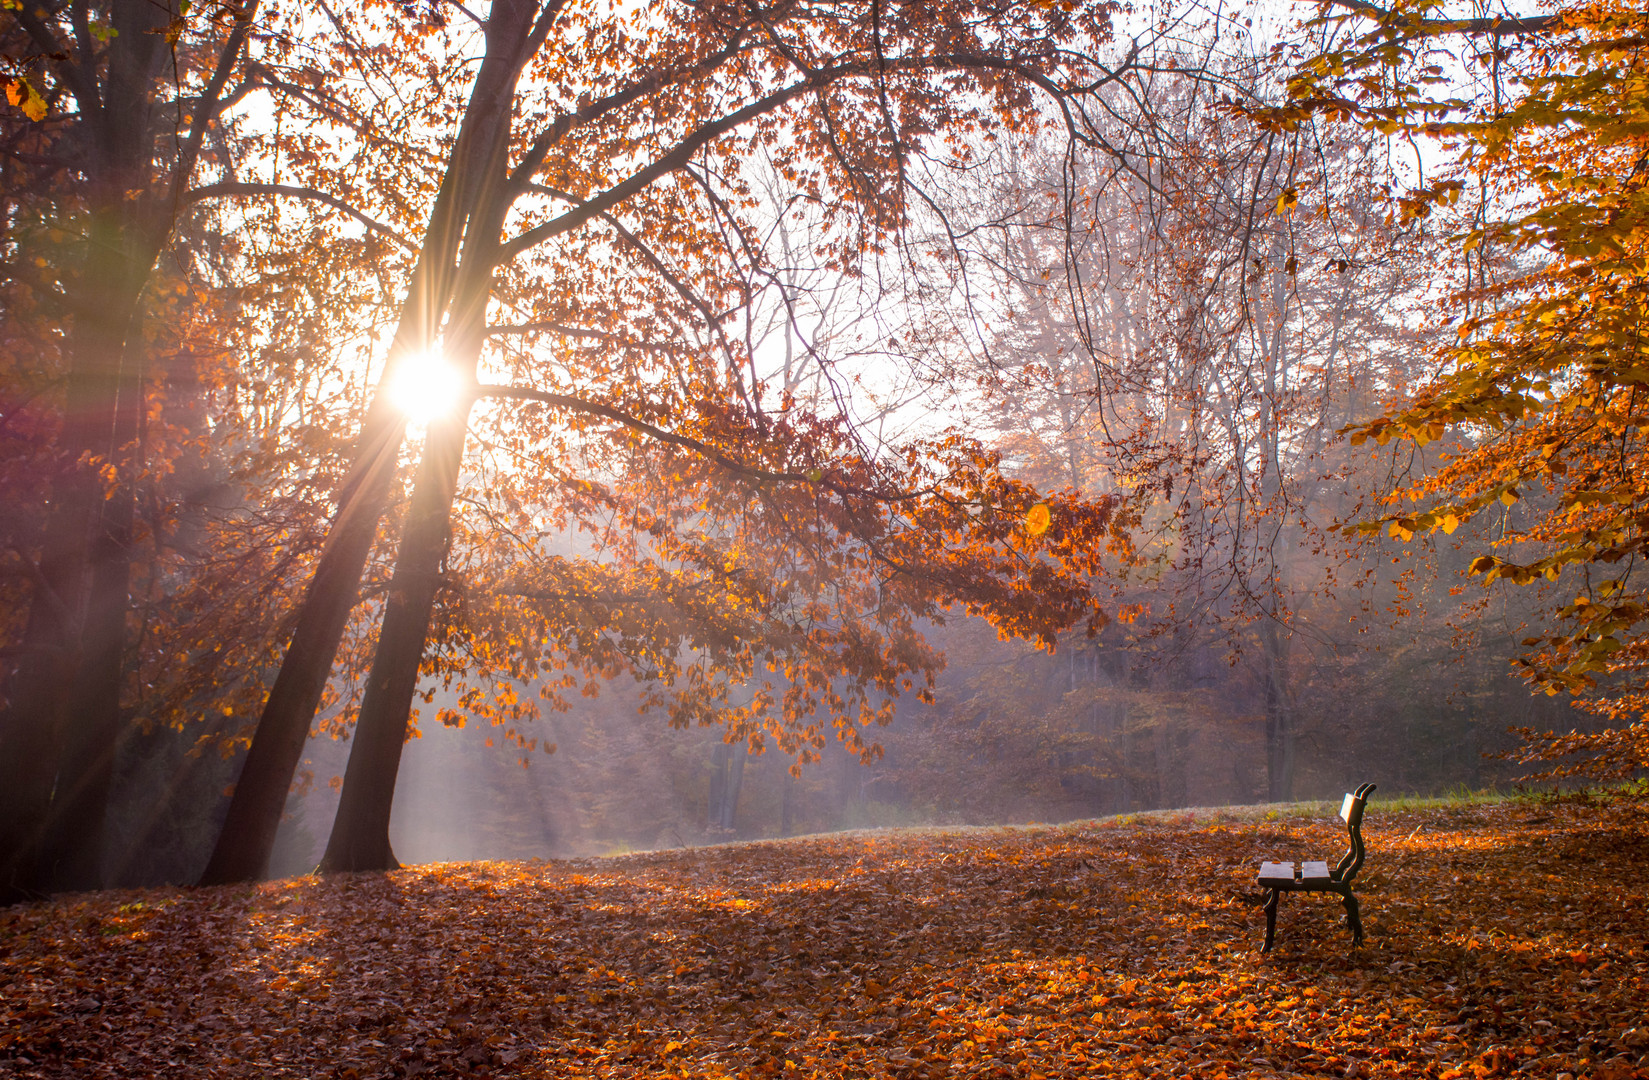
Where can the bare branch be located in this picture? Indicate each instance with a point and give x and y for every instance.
(238, 189)
(207, 108)
(682, 153)
(686, 442)
(1496, 25)
(472, 16)
(567, 330)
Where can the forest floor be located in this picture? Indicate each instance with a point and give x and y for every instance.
(1503, 939)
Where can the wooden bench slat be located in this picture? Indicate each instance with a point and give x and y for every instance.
(1314, 871)
(1278, 871)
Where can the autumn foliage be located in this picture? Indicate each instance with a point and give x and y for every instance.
(572, 205)
(1539, 403)
(1502, 940)
(722, 292)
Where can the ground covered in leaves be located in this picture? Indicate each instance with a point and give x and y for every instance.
(1504, 939)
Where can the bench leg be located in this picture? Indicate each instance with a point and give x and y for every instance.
(1271, 918)
(1352, 919)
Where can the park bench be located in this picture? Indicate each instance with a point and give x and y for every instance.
(1280, 877)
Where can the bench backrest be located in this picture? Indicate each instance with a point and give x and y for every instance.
(1352, 811)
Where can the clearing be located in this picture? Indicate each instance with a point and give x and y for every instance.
(1503, 938)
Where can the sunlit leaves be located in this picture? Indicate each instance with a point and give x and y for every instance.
(1542, 389)
(744, 587)
(1038, 519)
(22, 94)
(661, 510)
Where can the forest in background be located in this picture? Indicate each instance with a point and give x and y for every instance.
(991, 414)
(1014, 735)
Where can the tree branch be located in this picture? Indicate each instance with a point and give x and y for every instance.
(522, 174)
(513, 329)
(682, 153)
(207, 109)
(712, 321)
(686, 442)
(81, 81)
(230, 189)
(635, 423)
(1497, 25)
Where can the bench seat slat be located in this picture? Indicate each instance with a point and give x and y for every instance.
(1277, 871)
(1314, 871)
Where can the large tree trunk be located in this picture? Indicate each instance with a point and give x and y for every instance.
(93, 717)
(360, 832)
(30, 730)
(248, 836)
(32, 725)
(58, 733)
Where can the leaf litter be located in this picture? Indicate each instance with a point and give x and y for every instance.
(1503, 940)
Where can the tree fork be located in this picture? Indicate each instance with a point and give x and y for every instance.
(360, 831)
(248, 835)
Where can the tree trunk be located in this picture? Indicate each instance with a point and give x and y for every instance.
(58, 734)
(360, 833)
(93, 718)
(1279, 727)
(57, 737)
(248, 836)
(787, 804)
(718, 787)
(735, 785)
(31, 727)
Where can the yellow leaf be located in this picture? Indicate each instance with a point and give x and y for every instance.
(23, 94)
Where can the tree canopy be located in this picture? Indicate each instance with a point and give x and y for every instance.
(782, 346)
(1540, 397)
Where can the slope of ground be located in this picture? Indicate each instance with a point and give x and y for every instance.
(1502, 939)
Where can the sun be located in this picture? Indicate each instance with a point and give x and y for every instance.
(425, 387)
